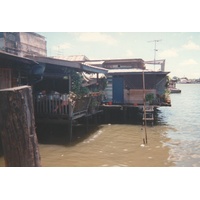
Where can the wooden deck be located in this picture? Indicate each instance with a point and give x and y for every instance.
(59, 106)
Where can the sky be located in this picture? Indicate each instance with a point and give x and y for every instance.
(181, 50)
(115, 29)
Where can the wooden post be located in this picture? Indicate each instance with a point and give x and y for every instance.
(70, 121)
(17, 128)
(144, 100)
(86, 124)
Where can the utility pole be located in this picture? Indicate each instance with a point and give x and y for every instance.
(155, 41)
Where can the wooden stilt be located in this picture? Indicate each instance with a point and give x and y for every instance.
(70, 130)
(144, 100)
(70, 122)
(86, 124)
(95, 119)
(125, 114)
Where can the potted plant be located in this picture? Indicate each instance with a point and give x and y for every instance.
(149, 98)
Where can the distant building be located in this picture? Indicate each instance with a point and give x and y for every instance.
(184, 80)
(23, 43)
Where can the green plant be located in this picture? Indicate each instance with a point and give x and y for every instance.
(149, 97)
(77, 87)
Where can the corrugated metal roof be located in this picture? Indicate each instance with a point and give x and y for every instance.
(54, 61)
(77, 58)
(94, 69)
(132, 70)
(66, 63)
(137, 60)
(100, 62)
(73, 58)
(5, 55)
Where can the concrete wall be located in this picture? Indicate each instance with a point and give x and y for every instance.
(23, 43)
(32, 44)
(2, 43)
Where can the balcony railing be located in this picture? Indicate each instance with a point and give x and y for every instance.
(61, 106)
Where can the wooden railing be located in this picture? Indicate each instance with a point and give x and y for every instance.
(59, 106)
(136, 96)
(51, 105)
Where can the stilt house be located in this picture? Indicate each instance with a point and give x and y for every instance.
(130, 83)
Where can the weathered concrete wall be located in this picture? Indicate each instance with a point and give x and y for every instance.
(32, 44)
(10, 42)
(2, 44)
(23, 43)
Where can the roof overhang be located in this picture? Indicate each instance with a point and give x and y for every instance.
(93, 69)
(133, 71)
(100, 62)
(29, 66)
(74, 65)
(58, 62)
(15, 58)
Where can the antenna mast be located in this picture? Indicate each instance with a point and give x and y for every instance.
(155, 41)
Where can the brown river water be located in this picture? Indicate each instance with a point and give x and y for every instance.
(173, 141)
(110, 145)
(104, 146)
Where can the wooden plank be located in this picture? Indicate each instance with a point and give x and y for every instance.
(135, 96)
(148, 119)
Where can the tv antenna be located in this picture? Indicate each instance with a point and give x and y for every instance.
(155, 41)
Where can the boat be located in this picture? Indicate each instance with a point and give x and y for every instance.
(172, 87)
(174, 90)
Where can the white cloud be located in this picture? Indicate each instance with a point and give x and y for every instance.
(168, 53)
(97, 37)
(189, 62)
(191, 46)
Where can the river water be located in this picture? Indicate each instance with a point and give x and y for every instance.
(182, 122)
(173, 141)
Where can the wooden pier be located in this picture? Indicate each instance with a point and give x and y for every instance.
(127, 114)
(56, 108)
